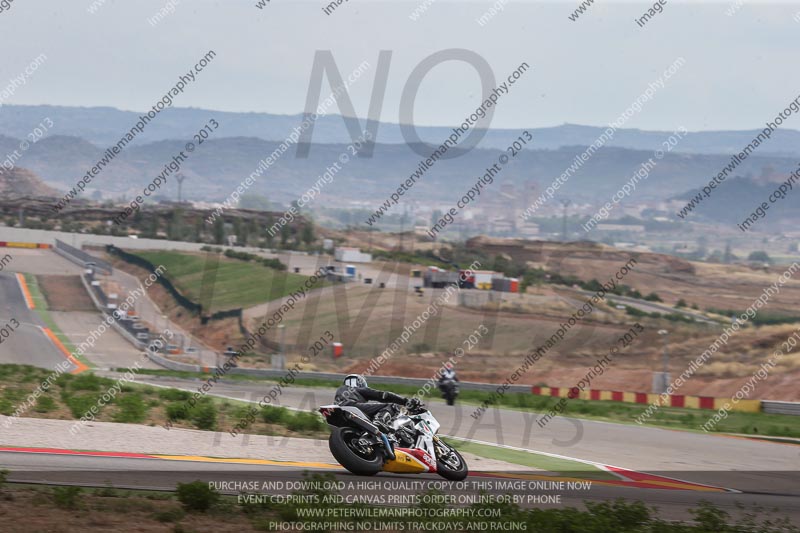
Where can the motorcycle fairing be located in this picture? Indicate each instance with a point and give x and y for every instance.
(408, 461)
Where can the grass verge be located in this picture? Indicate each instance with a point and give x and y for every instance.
(71, 397)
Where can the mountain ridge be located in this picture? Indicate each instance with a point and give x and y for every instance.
(103, 125)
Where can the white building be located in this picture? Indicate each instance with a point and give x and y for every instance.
(352, 255)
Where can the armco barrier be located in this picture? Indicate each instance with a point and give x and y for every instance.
(175, 365)
(123, 322)
(96, 299)
(780, 408)
(386, 380)
(675, 400)
(81, 258)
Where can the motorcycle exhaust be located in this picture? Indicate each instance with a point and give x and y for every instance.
(389, 448)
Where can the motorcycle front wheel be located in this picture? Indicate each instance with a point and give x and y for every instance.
(449, 463)
(360, 459)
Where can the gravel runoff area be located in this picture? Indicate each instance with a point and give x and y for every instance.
(133, 438)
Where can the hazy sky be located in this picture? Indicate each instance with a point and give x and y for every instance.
(739, 71)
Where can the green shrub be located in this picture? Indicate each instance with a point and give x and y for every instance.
(66, 497)
(80, 404)
(177, 411)
(592, 285)
(709, 518)
(677, 317)
(759, 256)
(88, 381)
(29, 374)
(420, 347)
(244, 256)
(15, 395)
(174, 395)
(107, 492)
(302, 421)
(204, 415)
(634, 311)
(273, 263)
(6, 407)
(44, 404)
(196, 496)
(132, 409)
(64, 380)
(241, 412)
(273, 415)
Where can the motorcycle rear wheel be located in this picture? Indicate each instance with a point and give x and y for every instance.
(351, 455)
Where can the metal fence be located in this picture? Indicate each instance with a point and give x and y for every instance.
(780, 408)
(81, 258)
(138, 334)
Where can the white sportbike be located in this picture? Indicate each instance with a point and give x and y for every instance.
(412, 446)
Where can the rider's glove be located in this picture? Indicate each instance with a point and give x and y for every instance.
(413, 404)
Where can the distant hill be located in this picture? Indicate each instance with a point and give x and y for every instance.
(738, 197)
(19, 182)
(218, 166)
(104, 126)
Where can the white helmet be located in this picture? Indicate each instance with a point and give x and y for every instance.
(355, 380)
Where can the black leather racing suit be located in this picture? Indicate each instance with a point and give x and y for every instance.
(370, 401)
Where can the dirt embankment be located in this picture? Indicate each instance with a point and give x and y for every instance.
(706, 285)
(65, 293)
(20, 182)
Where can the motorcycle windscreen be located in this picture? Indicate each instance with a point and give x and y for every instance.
(406, 463)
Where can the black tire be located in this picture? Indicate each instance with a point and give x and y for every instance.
(357, 464)
(449, 472)
(451, 400)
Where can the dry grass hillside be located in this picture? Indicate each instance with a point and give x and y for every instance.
(367, 319)
(708, 285)
(22, 182)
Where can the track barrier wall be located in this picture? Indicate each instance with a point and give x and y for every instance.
(675, 400)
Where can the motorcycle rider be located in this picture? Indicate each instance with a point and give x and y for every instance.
(449, 374)
(448, 384)
(379, 405)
